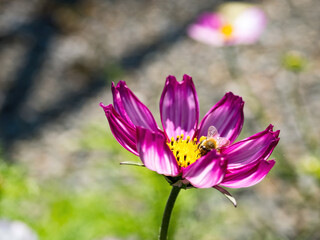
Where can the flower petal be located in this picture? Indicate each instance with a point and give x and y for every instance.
(249, 26)
(226, 116)
(179, 108)
(155, 154)
(207, 171)
(251, 149)
(209, 20)
(206, 29)
(122, 131)
(249, 175)
(131, 108)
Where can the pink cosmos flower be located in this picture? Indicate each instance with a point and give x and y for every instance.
(232, 24)
(189, 154)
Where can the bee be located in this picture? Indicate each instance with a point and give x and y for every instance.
(213, 141)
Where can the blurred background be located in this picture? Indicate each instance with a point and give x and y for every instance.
(59, 163)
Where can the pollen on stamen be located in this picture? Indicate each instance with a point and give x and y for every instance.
(227, 30)
(185, 151)
(202, 138)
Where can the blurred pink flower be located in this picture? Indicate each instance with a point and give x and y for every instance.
(232, 24)
(189, 154)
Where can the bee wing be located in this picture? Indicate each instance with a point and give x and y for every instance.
(212, 132)
(221, 141)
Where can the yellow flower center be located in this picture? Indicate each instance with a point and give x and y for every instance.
(227, 30)
(185, 151)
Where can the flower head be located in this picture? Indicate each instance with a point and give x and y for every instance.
(186, 152)
(233, 23)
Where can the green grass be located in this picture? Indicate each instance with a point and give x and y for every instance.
(58, 212)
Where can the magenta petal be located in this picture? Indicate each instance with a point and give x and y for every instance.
(122, 131)
(209, 20)
(206, 29)
(251, 149)
(155, 153)
(131, 108)
(179, 108)
(207, 171)
(226, 116)
(249, 175)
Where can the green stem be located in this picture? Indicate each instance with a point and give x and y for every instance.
(167, 213)
(230, 54)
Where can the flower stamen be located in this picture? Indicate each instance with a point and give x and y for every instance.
(185, 151)
(227, 31)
